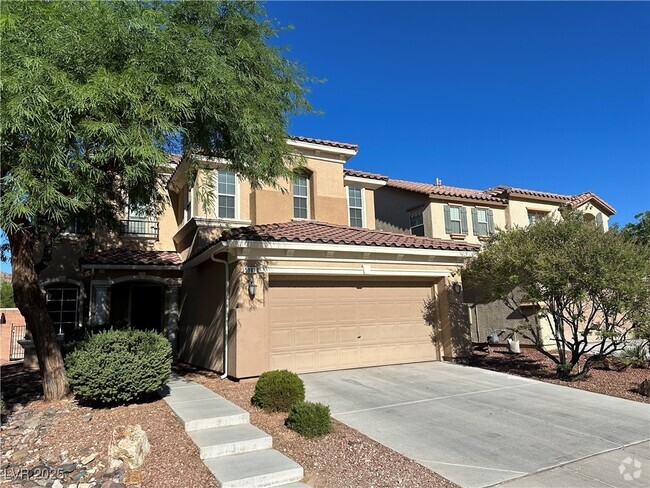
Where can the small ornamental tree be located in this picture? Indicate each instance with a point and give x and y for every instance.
(592, 287)
(92, 93)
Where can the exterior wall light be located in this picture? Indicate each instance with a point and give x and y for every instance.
(252, 288)
(457, 287)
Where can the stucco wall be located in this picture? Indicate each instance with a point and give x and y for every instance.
(201, 316)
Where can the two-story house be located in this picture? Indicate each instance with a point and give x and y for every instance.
(295, 276)
(467, 215)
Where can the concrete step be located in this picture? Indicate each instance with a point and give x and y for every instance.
(208, 413)
(258, 468)
(236, 439)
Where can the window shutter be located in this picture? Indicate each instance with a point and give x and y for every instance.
(475, 221)
(490, 222)
(599, 221)
(463, 220)
(447, 220)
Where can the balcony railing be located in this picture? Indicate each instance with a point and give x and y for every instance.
(140, 228)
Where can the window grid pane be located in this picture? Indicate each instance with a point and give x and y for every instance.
(300, 199)
(356, 217)
(62, 307)
(299, 207)
(226, 207)
(226, 193)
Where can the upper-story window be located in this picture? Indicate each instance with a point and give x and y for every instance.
(482, 221)
(355, 206)
(226, 193)
(300, 197)
(455, 220)
(188, 203)
(139, 222)
(417, 223)
(535, 216)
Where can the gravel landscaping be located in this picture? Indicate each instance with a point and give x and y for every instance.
(65, 444)
(533, 364)
(344, 458)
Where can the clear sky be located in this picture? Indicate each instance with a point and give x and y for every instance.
(551, 96)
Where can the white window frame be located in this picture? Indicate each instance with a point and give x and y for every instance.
(540, 214)
(362, 195)
(459, 220)
(188, 209)
(411, 226)
(306, 197)
(235, 195)
(485, 212)
(59, 324)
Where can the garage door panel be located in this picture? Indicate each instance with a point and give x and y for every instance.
(317, 326)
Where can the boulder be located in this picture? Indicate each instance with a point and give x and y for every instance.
(129, 444)
(644, 387)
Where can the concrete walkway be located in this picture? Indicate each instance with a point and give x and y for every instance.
(237, 453)
(479, 428)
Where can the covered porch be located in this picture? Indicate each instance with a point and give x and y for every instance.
(135, 289)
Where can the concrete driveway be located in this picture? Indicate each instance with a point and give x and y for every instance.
(480, 428)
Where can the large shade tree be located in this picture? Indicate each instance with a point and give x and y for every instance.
(91, 94)
(591, 286)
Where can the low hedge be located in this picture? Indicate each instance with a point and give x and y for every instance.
(118, 366)
(309, 419)
(276, 391)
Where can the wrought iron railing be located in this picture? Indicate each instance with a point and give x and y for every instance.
(140, 228)
(16, 351)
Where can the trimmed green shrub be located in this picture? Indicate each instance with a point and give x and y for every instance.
(118, 366)
(309, 419)
(276, 391)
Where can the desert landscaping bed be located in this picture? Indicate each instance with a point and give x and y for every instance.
(343, 458)
(533, 364)
(43, 442)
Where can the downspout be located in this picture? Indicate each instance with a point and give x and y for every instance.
(226, 314)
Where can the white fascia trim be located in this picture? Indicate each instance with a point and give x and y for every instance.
(321, 147)
(205, 255)
(307, 246)
(141, 267)
(280, 259)
(361, 271)
(370, 183)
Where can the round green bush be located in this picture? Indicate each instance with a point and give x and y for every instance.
(118, 366)
(276, 391)
(309, 419)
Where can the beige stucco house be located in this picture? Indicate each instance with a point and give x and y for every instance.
(295, 276)
(470, 216)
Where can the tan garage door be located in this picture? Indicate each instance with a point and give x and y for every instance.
(320, 326)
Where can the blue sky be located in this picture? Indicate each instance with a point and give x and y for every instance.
(551, 95)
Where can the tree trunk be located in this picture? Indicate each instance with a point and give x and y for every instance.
(31, 303)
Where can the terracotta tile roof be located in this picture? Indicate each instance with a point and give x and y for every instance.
(324, 142)
(584, 197)
(364, 174)
(507, 190)
(444, 190)
(572, 201)
(324, 233)
(134, 257)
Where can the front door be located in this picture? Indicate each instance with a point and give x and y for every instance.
(146, 307)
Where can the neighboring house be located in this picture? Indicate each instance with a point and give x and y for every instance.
(294, 276)
(470, 216)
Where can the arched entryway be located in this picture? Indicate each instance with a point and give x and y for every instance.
(137, 304)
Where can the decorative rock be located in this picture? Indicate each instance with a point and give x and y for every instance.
(19, 456)
(644, 387)
(57, 484)
(128, 444)
(87, 418)
(88, 459)
(67, 467)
